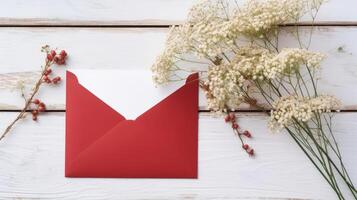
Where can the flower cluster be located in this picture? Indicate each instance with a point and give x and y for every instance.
(252, 62)
(162, 68)
(244, 61)
(224, 87)
(207, 29)
(225, 82)
(291, 109)
(201, 35)
(212, 29)
(258, 63)
(259, 18)
(289, 60)
(164, 65)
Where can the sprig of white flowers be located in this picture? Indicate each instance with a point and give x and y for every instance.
(290, 108)
(226, 81)
(211, 29)
(244, 60)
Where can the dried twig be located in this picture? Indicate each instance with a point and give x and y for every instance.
(52, 58)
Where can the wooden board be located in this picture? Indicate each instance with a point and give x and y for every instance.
(129, 34)
(32, 165)
(118, 48)
(129, 12)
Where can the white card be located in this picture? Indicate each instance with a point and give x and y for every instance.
(129, 92)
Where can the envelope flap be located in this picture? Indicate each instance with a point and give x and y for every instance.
(129, 92)
(87, 118)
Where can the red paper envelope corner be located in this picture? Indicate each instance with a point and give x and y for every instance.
(160, 143)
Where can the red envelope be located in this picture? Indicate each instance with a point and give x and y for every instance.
(161, 143)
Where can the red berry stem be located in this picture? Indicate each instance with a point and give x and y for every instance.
(231, 118)
(51, 58)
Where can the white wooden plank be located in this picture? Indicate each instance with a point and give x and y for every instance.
(32, 165)
(129, 12)
(117, 48)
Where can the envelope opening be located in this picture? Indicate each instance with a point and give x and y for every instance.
(129, 92)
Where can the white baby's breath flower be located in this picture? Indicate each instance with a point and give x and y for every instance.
(258, 18)
(224, 87)
(257, 63)
(289, 60)
(207, 26)
(211, 30)
(288, 109)
(164, 65)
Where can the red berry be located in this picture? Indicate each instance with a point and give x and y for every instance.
(46, 79)
(53, 53)
(34, 117)
(34, 112)
(63, 53)
(235, 126)
(251, 152)
(49, 57)
(47, 72)
(232, 115)
(41, 107)
(56, 59)
(247, 134)
(56, 80)
(245, 146)
(62, 62)
(36, 101)
(227, 118)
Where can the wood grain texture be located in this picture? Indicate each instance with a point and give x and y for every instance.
(32, 165)
(125, 48)
(129, 12)
(32, 156)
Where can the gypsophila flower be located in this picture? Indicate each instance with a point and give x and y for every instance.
(207, 27)
(258, 18)
(161, 68)
(290, 108)
(258, 63)
(224, 87)
(251, 62)
(289, 60)
(226, 81)
(165, 63)
(245, 64)
(210, 30)
(203, 34)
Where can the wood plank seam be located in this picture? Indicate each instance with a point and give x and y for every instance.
(106, 25)
(201, 111)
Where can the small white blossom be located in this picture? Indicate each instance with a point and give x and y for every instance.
(289, 60)
(165, 63)
(225, 81)
(258, 18)
(290, 108)
(258, 63)
(224, 87)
